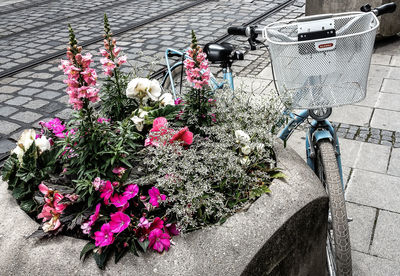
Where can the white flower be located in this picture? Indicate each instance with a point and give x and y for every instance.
(139, 120)
(154, 90)
(246, 150)
(167, 99)
(42, 143)
(19, 152)
(245, 160)
(137, 88)
(26, 139)
(242, 137)
(260, 147)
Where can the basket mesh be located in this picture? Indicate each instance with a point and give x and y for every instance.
(308, 77)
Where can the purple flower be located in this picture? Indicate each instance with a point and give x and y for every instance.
(155, 197)
(119, 222)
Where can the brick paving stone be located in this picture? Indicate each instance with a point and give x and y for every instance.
(26, 116)
(38, 84)
(8, 89)
(21, 82)
(35, 104)
(65, 114)
(386, 242)
(6, 146)
(56, 86)
(7, 127)
(18, 100)
(48, 95)
(374, 189)
(29, 91)
(5, 111)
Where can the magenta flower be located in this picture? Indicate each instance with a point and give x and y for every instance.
(171, 229)
(119, 171)
(103, 120)
(107, 191)
(159, 240)
(155, 197)
(144, 223)
(183, 135)
(105, 236)
(157, 224)
(119, 222)
(119, 200)
(131, 191)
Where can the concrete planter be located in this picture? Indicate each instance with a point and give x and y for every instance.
(281, 234)
(389, 23)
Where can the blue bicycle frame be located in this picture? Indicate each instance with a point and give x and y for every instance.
(319, 130)
(214, 84)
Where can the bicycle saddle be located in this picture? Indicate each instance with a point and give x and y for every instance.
(221, 52)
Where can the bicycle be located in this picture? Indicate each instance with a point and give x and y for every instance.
(320, 62)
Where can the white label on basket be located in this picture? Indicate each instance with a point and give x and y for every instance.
(326, 45)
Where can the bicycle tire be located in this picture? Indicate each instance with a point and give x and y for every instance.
(328, 172)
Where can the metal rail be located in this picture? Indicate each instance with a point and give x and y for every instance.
(127, 28)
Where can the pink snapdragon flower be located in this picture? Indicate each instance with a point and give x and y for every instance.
(197, 68)
(105, 236)
(156, 197)
(98, 184)
(159, 240)
(119, 222)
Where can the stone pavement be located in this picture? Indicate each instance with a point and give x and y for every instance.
(369, 134)
(369, 131)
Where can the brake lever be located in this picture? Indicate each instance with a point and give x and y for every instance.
(253, 45)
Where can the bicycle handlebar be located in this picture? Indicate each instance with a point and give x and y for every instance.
(386, 8)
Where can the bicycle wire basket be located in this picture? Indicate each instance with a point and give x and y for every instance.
(323, 60)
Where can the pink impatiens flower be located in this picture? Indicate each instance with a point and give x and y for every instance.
(159, 240)
(105, 236)
(119, 200)
(183, 135)
(107, 191)
(144, 223)
(155, 197)
(131, 191)
(119, 222)
(119, 171)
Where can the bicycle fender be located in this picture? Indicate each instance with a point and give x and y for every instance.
(322, 134)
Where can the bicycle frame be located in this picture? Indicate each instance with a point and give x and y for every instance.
(319, 130)
(214, 84)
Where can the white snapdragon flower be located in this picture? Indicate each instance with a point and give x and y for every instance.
(167, 99)
(246, 150)
(154, 90)
(137, 88)
(26, 139)
(42, 143)
(242, 137)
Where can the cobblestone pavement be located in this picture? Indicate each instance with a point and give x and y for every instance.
(369, 131)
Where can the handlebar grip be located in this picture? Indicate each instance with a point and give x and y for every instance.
(237, 31)
(386, 8)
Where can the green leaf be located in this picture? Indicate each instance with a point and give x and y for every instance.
(101, 259)
(133, 249)
(87, 249)
(144, 245)
(10, 167)
(278, 175)
(28, 205)
(20, 192)
(120, 253)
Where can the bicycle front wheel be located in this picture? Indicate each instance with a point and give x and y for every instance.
(338, 240)
(180, 83)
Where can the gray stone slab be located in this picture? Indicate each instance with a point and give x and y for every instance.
(388, 101)
(367, 265)
(349, 150)
(5, 111)
(386, 119)
(8, 127)
(386, 241)
(4, 97)
(381, 59)
(395, 61)
(48, 95)
(361, 226)
(394, 73)
(8, 89)
(374, 189)
(65, 114)
(373, 157)
(394, 164)
(29, 91)
(18, 100)
(36, 104)
(6, 146)
(26, 116)
(378, 71)
(392, 86)
(351, 114)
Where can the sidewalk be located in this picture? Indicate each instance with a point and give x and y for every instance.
(370, 143)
